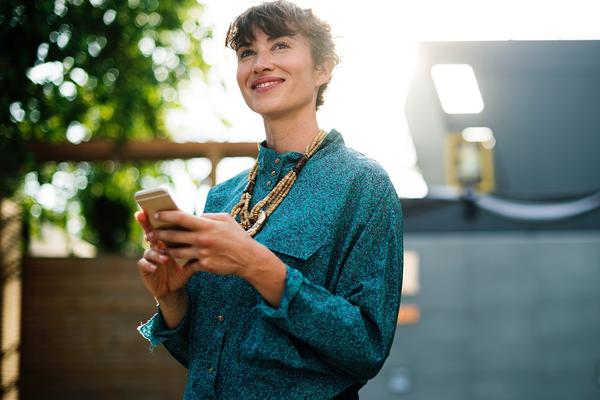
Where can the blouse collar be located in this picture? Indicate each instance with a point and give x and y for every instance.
(268, 157)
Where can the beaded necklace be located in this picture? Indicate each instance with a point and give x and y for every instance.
(253, 220)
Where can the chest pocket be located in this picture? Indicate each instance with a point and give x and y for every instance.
(304, 246)
(296, 247)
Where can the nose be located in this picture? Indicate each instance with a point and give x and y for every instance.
(263, 62)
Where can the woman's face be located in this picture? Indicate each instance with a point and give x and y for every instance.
(277, 76)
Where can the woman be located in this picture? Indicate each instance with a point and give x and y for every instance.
(294, 285)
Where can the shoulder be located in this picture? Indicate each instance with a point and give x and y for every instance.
(366, 169)
(347, 188)
(371, 198)
(371, 187)
(350, 168)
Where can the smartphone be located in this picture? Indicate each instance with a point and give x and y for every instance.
(159, 199)
(154, 200)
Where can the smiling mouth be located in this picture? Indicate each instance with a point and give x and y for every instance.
(268, 84)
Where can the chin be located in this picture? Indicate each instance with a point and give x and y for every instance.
(277, 109)
(269, 110)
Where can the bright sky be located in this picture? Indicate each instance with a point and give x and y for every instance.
(377, 41)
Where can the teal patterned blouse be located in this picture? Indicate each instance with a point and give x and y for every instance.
(339, 232)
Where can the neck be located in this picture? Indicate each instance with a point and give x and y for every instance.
(292, 133)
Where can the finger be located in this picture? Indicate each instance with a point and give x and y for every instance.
(217, 216)
(184, 253)
(146, 267)
(143, 220)
(155, 244)
(188, 221)
(159, 246)
(174, 236)
(155, 257)
(193, 264)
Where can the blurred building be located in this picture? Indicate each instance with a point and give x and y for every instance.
(507, 241)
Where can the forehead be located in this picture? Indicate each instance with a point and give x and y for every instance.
(259, 35)
(249, 31)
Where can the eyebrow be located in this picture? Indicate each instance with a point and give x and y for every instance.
(273, 38)
(270, 38)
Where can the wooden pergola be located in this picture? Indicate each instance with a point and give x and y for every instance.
(137, 150)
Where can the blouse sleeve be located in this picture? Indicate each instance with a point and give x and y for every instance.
(175, 340)
(353, 329)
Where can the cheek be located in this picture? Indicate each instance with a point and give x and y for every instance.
(241, 77)
(307, 71)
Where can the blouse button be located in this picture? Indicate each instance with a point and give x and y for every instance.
(221, 318)
(268, 183)
(273, 173)
(277, 161)
(211, 370)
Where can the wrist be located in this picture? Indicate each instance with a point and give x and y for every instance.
(257, 264)
(266, 273)
(254, 263)
(172, 300)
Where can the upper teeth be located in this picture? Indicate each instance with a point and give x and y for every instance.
(265, 84)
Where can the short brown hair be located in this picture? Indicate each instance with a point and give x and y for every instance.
(282, 18)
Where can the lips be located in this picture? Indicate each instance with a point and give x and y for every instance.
(266, 82)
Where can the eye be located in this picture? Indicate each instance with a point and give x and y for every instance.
(281, 45)
(245, 53)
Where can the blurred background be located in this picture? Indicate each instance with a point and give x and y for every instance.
(485, 114)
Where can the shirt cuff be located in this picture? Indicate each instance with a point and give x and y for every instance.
(293, 281)
(156, 330)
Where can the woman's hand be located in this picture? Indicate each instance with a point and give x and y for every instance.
(162, 276)
(215, 243)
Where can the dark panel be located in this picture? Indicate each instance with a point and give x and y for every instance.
(79, 338)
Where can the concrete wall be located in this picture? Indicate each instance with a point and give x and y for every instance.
(503, 316)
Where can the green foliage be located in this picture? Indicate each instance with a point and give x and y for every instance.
(76, 70)
(91, 201)
(108, 204)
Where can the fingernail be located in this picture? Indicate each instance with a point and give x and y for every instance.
(162, 251)
(157, 216)
(151, 235)
(163, 259)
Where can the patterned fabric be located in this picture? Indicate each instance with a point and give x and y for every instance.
(339, 232)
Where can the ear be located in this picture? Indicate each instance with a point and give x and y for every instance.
(323, 71)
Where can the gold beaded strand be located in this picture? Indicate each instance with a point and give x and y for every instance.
(253, 220)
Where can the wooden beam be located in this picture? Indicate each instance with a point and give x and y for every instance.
(135, 150)
(215, 159)
(11, 253)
